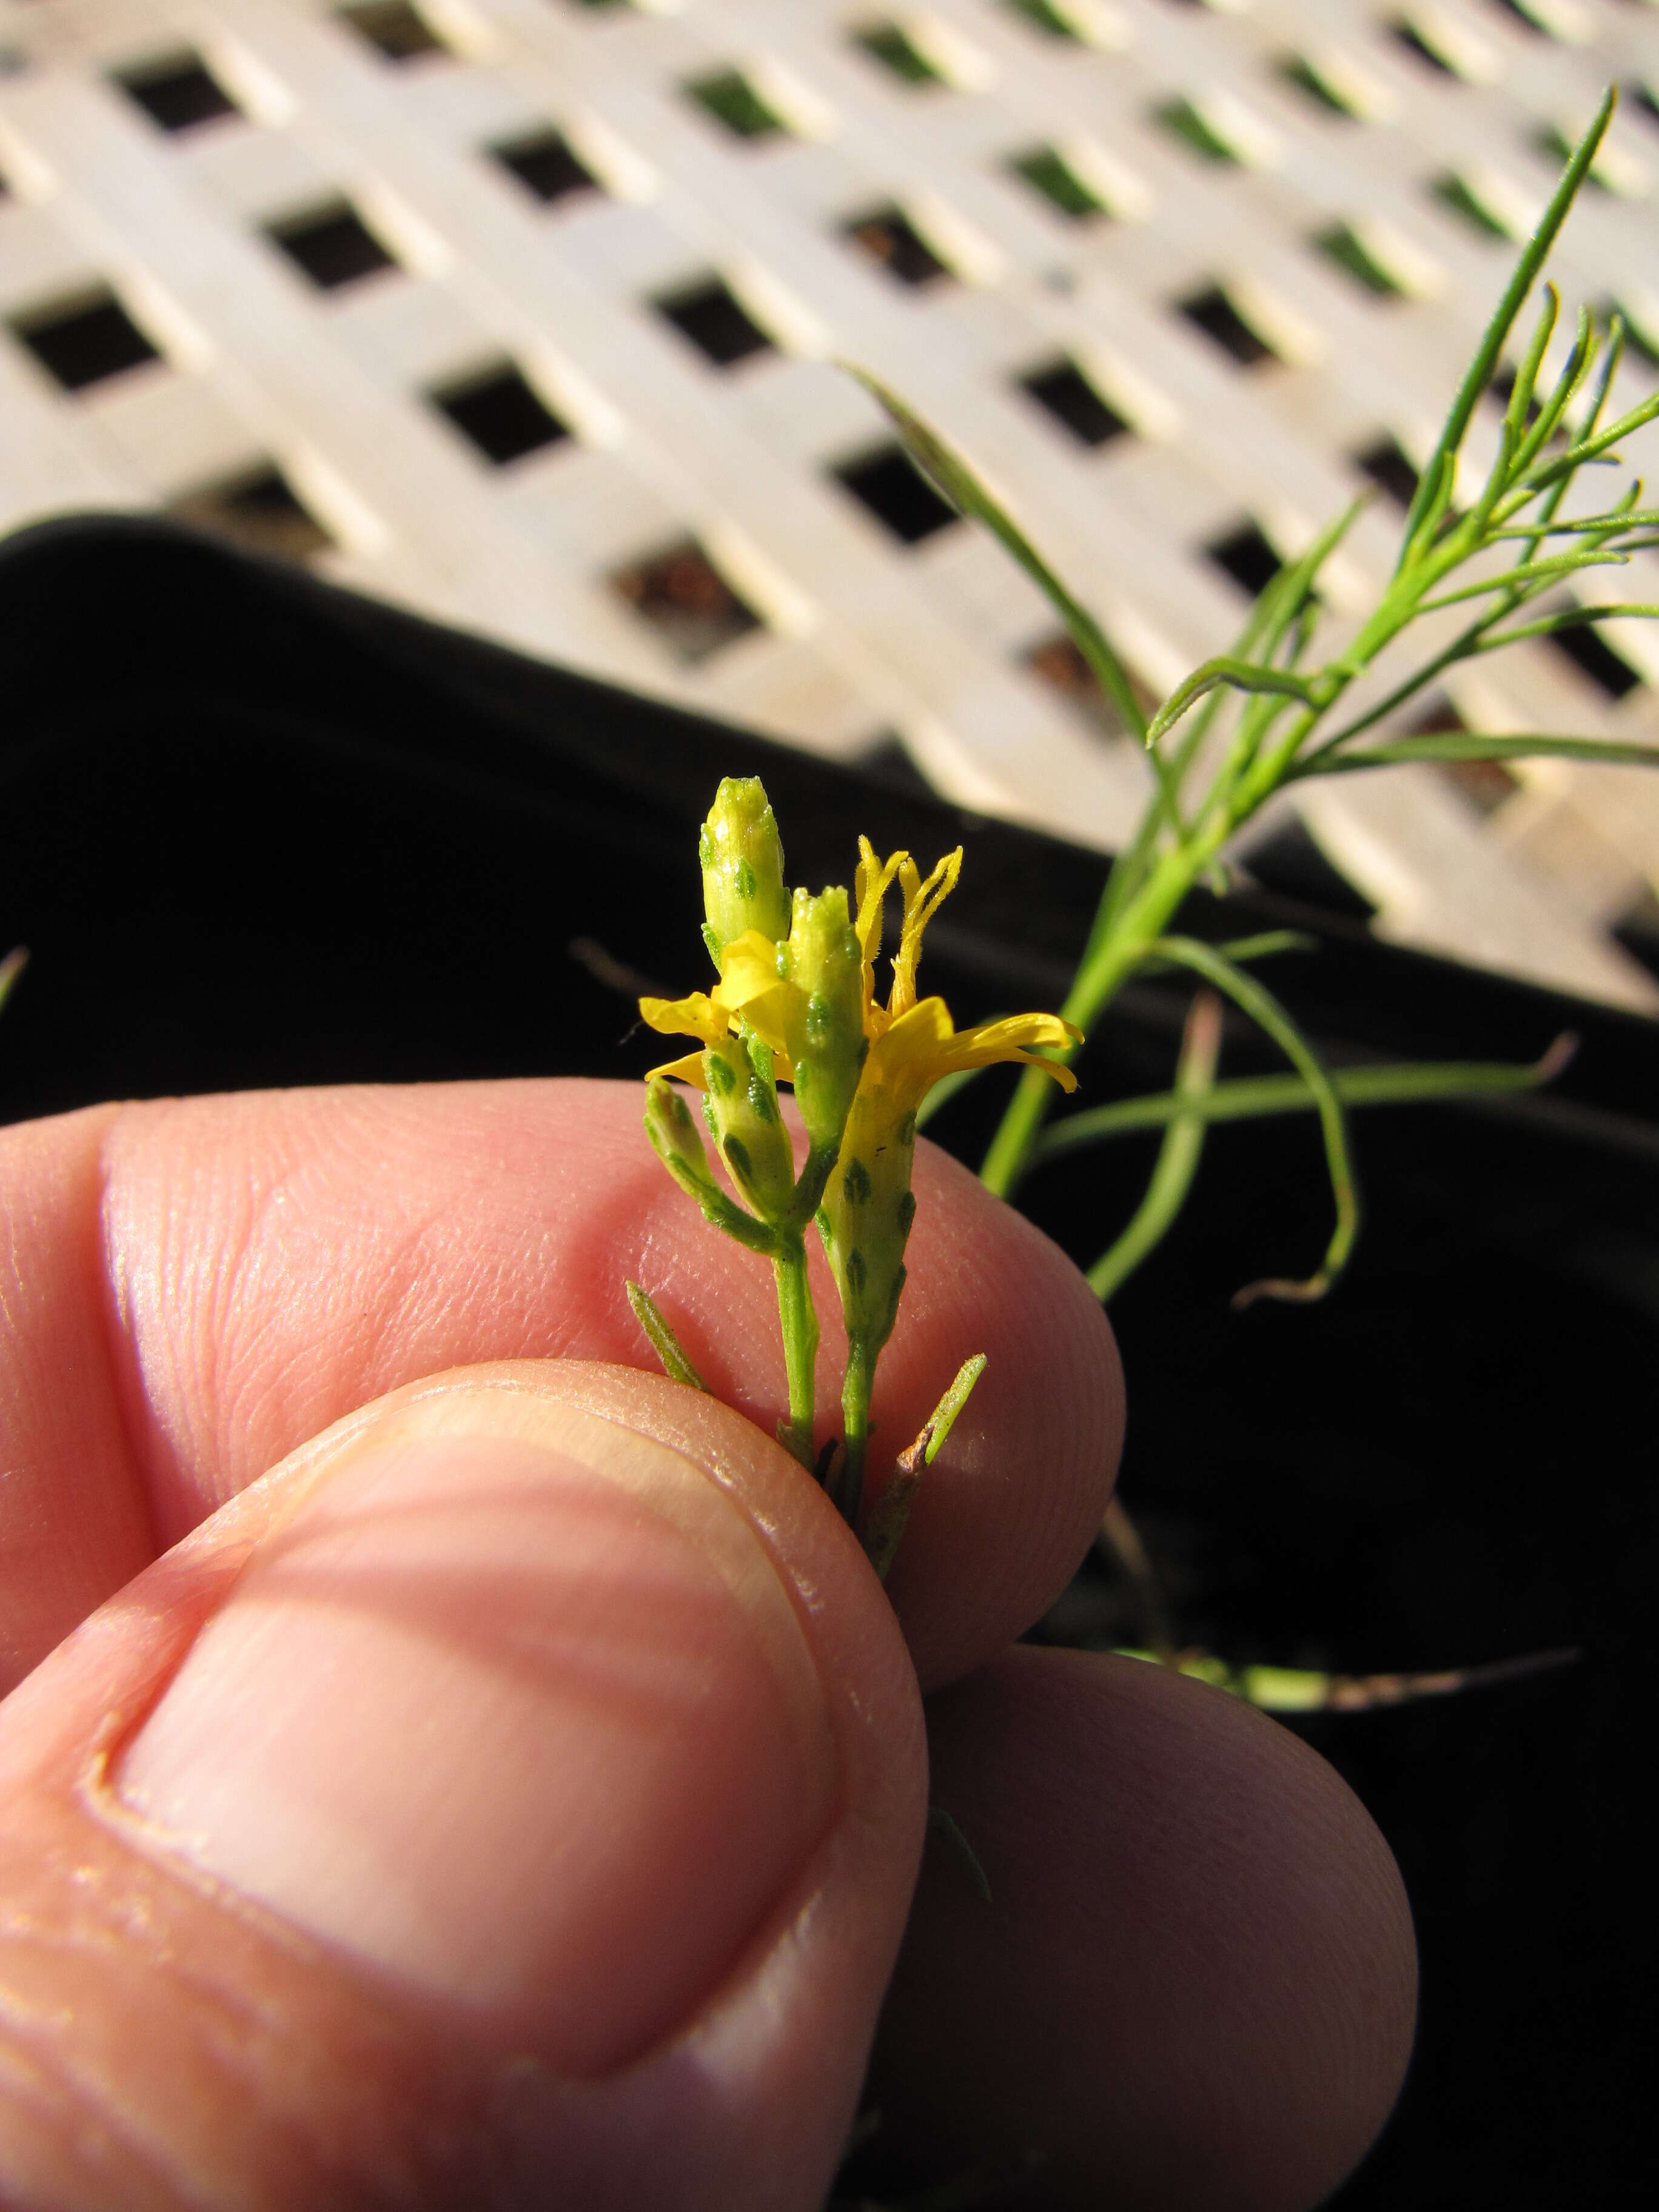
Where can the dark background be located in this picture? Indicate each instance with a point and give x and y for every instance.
(258, 832)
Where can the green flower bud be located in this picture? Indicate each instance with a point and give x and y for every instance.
(742, 858)
(827, 1046)
(676, 1139)
(742, 1110)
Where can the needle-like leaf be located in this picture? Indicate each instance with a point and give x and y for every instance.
(1464, 745)
(676, 1364)
(1178, 1156)
(959, 484)
(1435, 478)
(1238, 675)
(1265, 1010)
(1253, 1097)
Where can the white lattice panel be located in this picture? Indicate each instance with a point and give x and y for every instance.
(389, 289)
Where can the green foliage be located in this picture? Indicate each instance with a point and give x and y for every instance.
(1251, 721)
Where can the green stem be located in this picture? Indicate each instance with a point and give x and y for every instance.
(1178, 1156)
(797, 1319)
(1139, 919)
(855, 1390)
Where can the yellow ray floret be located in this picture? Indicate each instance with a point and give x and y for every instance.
(913, 1043)
(922, 1045)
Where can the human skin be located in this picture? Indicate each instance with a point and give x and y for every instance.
(516, 1796)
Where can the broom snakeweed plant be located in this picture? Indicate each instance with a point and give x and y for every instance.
(1268, 705)
(796, 998)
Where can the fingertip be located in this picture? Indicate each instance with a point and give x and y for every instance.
(1010, 1507)
(1197, 1977)
(531, 1763)
(276, 1260)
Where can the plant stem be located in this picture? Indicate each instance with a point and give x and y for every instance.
(1139, 919)
(798, 1322)
(1277, 705)
(856, 1423)
(1178, 1159)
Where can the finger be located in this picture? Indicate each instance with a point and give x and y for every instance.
(249, 1269)
(513, 1800)
(1196, 1982)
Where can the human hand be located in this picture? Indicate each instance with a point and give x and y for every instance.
(517, 1797)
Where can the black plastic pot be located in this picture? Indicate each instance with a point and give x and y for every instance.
(257, 831)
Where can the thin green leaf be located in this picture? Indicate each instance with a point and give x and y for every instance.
(1435, 481)
(1262, 946)
(1461, 648)
(1461, 745)
(1128, 866)
(1255, 1097)
(1586, 525)
(1178, 1156)
(1474, 528)
(1549, 500)
(942, 1418)
(1302, 1689)
(675, 1365)
(1539, 478)
(1284, 599)
(1531, 576)
(1611, 353)
(886, 1525)
(10, 968)
(1573, 373)
(1267, 943)
(1238, 675)
(1433, 499)
(959, 484)
(1570, 618)
(1526, 377)
(1265, 1010)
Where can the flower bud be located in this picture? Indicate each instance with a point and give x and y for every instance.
(742, 858)
(675, 1138)
(741, 1107)
(825, 961)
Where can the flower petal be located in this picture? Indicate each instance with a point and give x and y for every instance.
(922, 901)
(923, 1045)
(869, 890)
(696, 1016)
(689, 1070)
(749, 970)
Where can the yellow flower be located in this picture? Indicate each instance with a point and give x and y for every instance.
(868, 1204)
(812, 1000)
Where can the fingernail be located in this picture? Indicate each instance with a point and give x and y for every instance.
(515, 1708)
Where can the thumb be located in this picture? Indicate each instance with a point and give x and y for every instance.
(514, 1798)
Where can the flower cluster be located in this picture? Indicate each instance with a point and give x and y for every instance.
(796, 1002)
